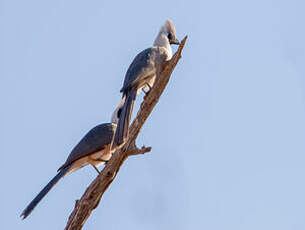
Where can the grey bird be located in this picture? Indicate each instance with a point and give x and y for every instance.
(141, 75)
(95, 148)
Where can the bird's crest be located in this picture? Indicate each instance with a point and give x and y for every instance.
(170, 27)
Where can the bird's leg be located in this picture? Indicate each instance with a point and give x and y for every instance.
(148, 85)
(92, 161)
(96, 168)
(146, 92)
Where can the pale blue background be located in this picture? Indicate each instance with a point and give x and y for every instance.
(227, 135)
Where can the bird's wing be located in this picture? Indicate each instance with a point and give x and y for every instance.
(139, 66)
(95, 140)
(143, 65)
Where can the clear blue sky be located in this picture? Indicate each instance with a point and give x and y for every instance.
(227, 135)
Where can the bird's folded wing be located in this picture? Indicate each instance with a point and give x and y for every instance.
(143, 65)
(95, 140)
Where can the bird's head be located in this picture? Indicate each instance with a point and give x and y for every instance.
(168, 29)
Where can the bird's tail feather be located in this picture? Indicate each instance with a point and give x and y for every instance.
(43, 192)
(125, 115)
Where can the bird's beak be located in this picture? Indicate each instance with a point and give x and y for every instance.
(175, 41)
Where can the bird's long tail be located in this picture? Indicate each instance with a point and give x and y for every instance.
(43, 192)
(124, 117)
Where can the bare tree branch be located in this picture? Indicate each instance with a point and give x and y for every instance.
(94, 192)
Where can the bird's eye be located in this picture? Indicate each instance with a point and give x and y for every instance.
(169, 36)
